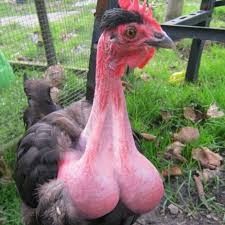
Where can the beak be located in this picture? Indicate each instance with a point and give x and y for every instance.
(161, 40)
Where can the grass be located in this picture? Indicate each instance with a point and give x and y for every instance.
(148, 99)
(145, 102)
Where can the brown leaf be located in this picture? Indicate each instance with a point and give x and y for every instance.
(214, 112)
(191, 113)
(200, 190)
(166, 115)
(172, 171)
(173, 151)
(186, 135)
(148, 137)
(207, 158)
(207, 174)
(199, 186)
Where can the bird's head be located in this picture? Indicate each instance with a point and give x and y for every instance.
(132, 34)
(38, 92)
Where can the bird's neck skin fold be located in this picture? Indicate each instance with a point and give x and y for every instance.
(109, 118)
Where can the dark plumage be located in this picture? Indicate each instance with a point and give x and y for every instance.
(115, 17)
(40, 102)
(37, 158)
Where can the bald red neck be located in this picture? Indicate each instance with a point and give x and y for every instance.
(110, 169)
(109, 114)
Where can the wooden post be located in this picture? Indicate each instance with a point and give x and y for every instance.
(174, 9)
(198, 45)
(45, 32)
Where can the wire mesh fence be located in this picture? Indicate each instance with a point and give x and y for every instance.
(70, 21)
(24, 44)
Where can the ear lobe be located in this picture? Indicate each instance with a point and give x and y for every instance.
(113, 38)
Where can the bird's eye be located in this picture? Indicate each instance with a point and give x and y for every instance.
(131, 32)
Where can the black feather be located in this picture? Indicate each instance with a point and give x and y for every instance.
(115, 17)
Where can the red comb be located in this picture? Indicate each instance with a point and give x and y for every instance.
(134, 5)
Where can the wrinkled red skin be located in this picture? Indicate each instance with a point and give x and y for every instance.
(110, 167)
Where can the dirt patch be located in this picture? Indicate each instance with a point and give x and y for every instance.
(189, 209)
(156, 217)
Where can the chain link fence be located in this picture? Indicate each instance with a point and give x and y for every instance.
(34, 35)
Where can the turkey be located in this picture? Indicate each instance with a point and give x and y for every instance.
(39, 100)
(73, 168)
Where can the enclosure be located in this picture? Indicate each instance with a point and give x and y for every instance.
(71, 24)
(151, 93)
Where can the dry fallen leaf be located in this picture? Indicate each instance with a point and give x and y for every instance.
(207, 174)
(166, 115)
(199, 186)
(172, 171)
(214, 112)
(173, 151)
(148, 137)
(190, 113)
(207, 158)
(186, 135)
(200, 190)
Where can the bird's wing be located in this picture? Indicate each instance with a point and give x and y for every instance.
(39, 150)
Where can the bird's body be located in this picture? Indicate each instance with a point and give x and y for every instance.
(79, 169)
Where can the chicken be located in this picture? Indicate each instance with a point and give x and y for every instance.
(40, 102)
(73, 168)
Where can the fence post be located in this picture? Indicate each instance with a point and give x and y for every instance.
(102, 5)
(45, 32)
(198, 45)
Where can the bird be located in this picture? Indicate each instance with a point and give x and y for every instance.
(39, 100)
(79, 165)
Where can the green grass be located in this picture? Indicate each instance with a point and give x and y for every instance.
(144, 103)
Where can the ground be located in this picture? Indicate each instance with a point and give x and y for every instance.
(150, 93)
(182, 215)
